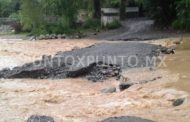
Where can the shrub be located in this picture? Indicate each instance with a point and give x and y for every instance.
(92, 24)
(113, 25)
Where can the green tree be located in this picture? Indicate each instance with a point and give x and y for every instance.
(36, 13)
(31, 15)
(162, 11)
(7, 7)
(183, 15)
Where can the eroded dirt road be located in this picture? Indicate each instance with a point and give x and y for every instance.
(79, 100)
(136, 29)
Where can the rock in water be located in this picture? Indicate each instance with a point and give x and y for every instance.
(178, 102)
(108, 90)
(41, 37)
(59, 36)
(126, 119)
(63, 36)
(123, 86)
(37, 118)
(170, 50)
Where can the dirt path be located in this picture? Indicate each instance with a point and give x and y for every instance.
(135, 29)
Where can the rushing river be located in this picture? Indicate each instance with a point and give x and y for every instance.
(180, 64)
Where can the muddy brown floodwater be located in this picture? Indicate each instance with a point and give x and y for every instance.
(79, 100)
(180, 64)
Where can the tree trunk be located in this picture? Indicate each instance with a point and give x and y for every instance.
(122, 9)
(97, 9)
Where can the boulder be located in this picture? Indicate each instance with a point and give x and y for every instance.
(108, 90)
(47, 36)
(38, 118)
(63, 36)
(59, 36)
(169, 50)
(123, 86)
(178, 101)
(126, 119)
(33, 38)
(53, 36)
(41, 37)
(178, 42)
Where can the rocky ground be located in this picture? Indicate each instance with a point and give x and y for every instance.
(77, 99)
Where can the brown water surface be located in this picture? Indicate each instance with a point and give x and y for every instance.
(79, 100)
(180, 64)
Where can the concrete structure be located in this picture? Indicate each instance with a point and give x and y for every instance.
(6, 25)
(109, 15)
(132, 12)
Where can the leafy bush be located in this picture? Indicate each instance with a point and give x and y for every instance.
(91, 24)
(113, 25)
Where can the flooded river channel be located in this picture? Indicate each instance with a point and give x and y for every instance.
(180, 64)
(80, 100)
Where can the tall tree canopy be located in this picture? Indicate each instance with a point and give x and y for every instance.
(35, 13)
(7, 7)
